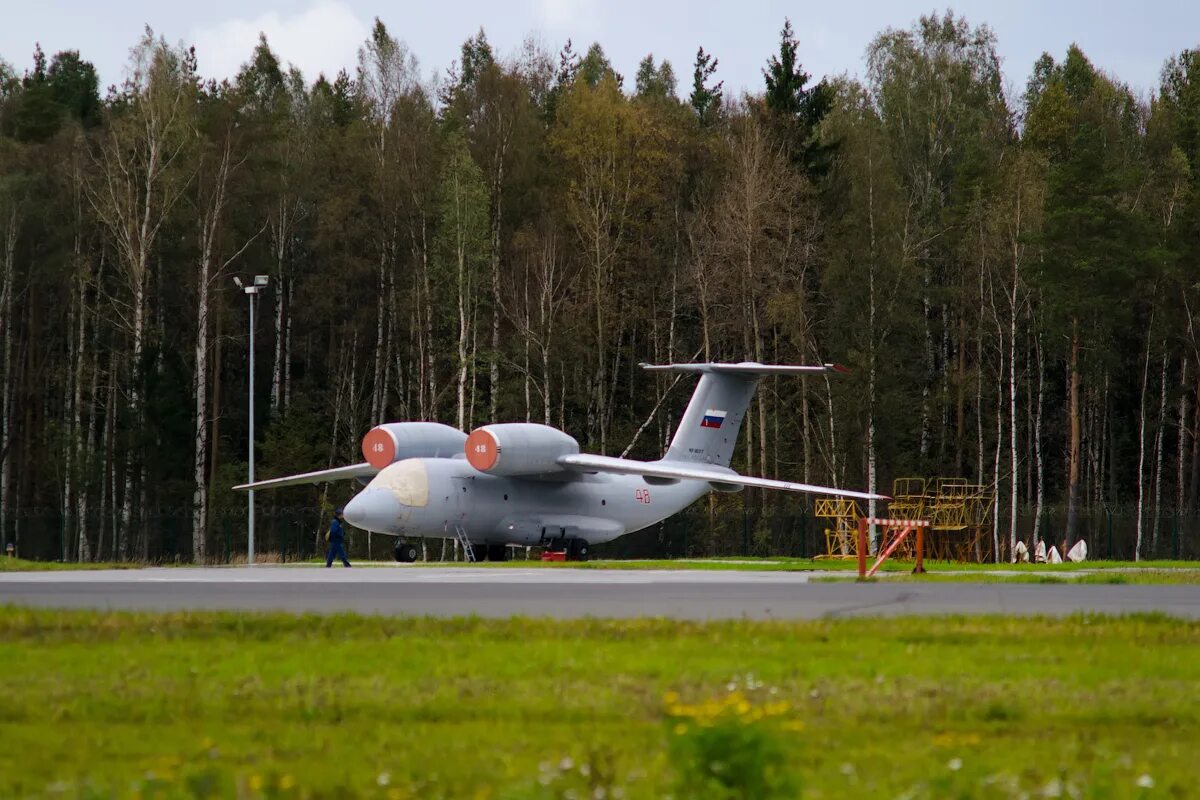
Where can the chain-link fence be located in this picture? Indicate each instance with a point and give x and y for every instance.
(297, 534)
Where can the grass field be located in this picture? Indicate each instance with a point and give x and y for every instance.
(23, 565)
(220, 705)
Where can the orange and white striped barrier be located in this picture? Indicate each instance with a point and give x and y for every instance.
(905, 526)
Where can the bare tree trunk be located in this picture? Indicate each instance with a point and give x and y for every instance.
(1037, 442)
(134, 411)
(215, 436)
(6, 387)
(833, 466)
(280, 234)
(77, 444)
(88, 444)
(464, 330)
(287, 344)
(872, 477)
(1012, 392)
(929, 366)
(1158, 452)
(494, 356)
(1181, 435)
(430, 411)
(1074, 442)
(996, 460)
(1194, 485)
(526, 345)
(1141, 474)
(108, 474)
(377, 390)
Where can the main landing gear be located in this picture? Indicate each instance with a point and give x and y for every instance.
(405, 552)
(491, 552)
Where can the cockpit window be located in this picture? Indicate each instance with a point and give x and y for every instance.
(407, 480)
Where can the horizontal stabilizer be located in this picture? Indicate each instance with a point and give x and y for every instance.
(751, 368)
(686, 471)
(363, 470)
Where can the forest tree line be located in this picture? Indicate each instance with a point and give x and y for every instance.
(1011, 277)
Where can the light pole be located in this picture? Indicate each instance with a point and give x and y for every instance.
(260, 283)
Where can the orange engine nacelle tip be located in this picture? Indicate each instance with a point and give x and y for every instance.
(379, 447)
(482, 450)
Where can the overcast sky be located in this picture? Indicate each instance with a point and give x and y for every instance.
(323, 35)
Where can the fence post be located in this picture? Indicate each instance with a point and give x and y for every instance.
(862, 548)
(745, 531)
(1108, 515)
(920, 565)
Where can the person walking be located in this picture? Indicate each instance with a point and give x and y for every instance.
(337, 540)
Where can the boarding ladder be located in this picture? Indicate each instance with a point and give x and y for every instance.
(460, 533)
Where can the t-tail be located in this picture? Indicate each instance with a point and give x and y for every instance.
(708, 432)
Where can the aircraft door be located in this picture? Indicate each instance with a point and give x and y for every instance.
(460, 504)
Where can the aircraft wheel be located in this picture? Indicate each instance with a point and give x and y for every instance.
(405, 552)
(578, 550)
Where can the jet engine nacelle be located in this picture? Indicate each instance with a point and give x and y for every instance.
(396, 441)
(518, 448)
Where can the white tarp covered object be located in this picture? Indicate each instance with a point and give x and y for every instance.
(1021, 552)
(1053, 557)
(1078, 552)
(1039, 553)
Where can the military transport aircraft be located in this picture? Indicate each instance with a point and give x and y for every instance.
(521, 483)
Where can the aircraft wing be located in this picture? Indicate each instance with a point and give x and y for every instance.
(363, 470)
(583, 462)
(745, 368)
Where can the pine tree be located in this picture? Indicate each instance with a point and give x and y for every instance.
(705, 99)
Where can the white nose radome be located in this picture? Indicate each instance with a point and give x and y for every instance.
(375, 510)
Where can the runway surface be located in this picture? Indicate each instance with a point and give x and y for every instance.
(567, 593)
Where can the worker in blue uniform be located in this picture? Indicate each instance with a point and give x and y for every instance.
(337, 540)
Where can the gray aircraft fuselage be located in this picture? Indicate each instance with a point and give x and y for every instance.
(524, 483)
(429, 497)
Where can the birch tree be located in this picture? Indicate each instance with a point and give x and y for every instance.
(141, 177)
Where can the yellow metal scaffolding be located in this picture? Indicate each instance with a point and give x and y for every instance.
(959, 515)
(841, 539)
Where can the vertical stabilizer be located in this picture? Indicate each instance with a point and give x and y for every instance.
(708, 432)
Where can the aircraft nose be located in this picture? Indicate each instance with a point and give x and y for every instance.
(374, 510)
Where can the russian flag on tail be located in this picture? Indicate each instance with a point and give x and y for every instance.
(712, 418)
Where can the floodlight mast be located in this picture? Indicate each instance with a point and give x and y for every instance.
(252, 291)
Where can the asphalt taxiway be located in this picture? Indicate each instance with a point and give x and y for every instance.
(568, 593)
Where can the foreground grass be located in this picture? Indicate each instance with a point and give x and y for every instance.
(184, 705)
(22, 565)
